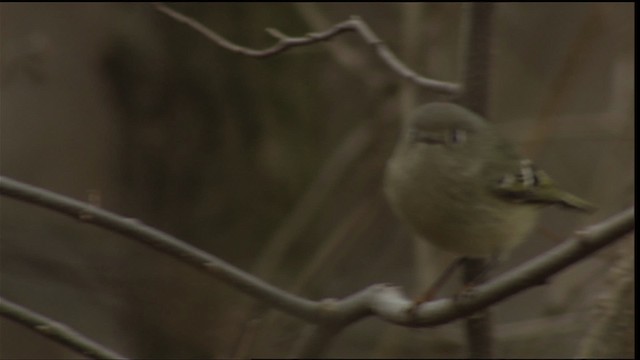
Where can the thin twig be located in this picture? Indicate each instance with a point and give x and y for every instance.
(285, 43)
(55, 331)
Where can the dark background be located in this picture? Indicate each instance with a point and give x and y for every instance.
(236, 155)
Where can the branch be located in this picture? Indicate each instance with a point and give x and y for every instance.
(538, 270)
(163, 242)
(285, 43)
(383, 300)
(56, 331)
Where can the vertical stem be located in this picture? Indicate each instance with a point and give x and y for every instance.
(478, 327)
(476, 65)
(477, 49)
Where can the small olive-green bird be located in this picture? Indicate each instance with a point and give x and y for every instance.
(456, 183)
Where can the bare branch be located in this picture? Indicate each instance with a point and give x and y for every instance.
(286, 42)
(55, 331)
(163, 242)
(383, 300)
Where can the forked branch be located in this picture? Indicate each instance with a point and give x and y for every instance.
(285, 42)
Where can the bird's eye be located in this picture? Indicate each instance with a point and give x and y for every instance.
(457, 136)
(425, 137)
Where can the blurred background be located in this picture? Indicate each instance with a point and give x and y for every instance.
(275, 166)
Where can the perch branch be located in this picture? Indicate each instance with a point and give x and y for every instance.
(385, 301)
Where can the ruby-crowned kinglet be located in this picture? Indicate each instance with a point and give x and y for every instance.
(456, 183)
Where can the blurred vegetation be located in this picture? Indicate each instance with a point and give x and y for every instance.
(235, 154)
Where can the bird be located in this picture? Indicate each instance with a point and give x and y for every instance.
(455, 182)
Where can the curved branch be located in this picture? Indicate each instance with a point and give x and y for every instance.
(385, 301)
(163, 242)
(536, 271)
(56, 331)
(286, 42)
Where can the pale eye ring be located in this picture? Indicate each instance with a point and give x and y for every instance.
(458, 136)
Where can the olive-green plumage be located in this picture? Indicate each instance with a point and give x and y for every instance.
(455, 182)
